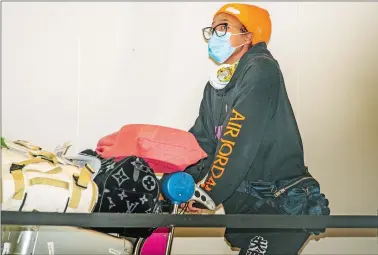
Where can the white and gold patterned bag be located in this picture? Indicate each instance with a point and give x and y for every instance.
(38, 180)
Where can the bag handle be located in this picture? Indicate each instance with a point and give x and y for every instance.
(47, 156)
(27, 145)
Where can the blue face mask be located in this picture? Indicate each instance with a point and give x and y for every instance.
(220, 48)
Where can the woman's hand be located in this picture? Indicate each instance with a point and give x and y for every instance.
(190, 207)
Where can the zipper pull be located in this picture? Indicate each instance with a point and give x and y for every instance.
(279, 193)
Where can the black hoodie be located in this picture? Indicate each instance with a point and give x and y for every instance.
(248, 129)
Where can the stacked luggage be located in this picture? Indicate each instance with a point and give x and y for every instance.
(116, 177)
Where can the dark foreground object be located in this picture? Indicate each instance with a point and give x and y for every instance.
(205, 221)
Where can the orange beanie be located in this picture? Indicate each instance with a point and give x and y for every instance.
(255, 19)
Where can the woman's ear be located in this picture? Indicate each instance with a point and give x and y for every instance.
(248, 38)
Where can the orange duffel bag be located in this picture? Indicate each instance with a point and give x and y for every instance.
(165, 149)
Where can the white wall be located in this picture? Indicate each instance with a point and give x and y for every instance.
(108, 64)
(78, 71)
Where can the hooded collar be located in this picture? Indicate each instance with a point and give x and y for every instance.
(256, 49)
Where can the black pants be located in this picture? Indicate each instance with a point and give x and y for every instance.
(266, 241)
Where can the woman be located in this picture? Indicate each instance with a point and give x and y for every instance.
(247, 127)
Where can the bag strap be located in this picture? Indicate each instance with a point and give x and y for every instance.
(84, 177)
(81, 182)
(20, 165)
(56, 170)
(19, 184)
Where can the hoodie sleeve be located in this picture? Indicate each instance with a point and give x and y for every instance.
(244, 128)
(201, 132)
(207, 143)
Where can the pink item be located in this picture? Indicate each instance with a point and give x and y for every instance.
(156, 243)
(165, 149)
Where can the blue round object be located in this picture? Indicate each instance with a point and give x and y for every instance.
(178, 187)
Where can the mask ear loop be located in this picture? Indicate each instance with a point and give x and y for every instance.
(243, 43)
